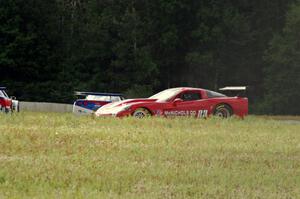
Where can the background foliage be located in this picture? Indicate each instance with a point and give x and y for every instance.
(50, 48)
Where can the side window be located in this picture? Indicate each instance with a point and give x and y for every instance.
(115, 98)
(98, 98)
(212, 94)
(190, 96)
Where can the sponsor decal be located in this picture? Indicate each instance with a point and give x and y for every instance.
(196, 113)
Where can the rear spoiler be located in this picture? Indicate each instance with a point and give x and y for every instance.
(239, 91)
(234, 88)
(79, 93)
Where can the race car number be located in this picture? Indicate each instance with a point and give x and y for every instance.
(202, 113)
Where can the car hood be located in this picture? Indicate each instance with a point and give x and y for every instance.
(127, 102)
(115, 107)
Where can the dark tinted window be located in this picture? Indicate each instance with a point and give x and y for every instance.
(190, 96)
(212, 94)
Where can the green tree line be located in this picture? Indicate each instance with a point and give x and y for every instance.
(50, 48)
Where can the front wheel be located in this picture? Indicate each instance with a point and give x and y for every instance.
(223, 111)
(141, 113)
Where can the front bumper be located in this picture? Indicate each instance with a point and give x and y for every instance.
(105, 115)
(117, 114)
(5, 109)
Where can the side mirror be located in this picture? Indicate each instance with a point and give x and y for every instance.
(13, 98)
(176, 101)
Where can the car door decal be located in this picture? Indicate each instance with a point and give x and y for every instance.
(199, 113)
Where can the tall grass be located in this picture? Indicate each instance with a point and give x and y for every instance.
(64, 156)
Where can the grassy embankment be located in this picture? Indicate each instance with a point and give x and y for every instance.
(60, 155)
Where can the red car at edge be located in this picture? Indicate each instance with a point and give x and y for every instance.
(5, 101)
(183, 101)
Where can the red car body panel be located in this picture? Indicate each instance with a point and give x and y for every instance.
(5, 101)
(171, 107)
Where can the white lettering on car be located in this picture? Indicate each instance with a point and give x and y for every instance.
(199, 113)
(158, 112)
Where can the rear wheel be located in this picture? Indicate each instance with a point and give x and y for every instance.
(141, 113)
(223, 111)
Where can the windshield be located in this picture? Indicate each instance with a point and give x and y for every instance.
(166, 94)
(3, 94)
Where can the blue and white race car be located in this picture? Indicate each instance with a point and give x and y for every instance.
(93, 101)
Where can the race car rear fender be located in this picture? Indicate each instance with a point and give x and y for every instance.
(240, 107)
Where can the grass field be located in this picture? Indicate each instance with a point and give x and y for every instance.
(63, 156)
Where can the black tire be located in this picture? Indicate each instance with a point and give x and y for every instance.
(141, 113)
(12, 109)
(223, 111)
(6, 110)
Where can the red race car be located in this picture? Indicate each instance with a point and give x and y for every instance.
(183, 101)
(5, 101)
